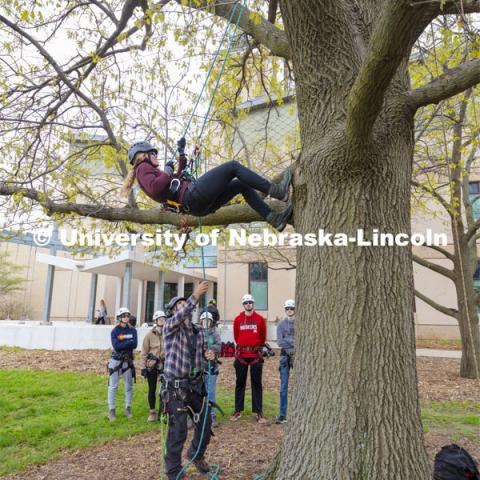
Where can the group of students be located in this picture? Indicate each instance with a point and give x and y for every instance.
(185, 356)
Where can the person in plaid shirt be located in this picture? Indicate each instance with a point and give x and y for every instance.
(184, 391)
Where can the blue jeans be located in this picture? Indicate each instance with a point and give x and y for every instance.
(211, 382)
(284, 376)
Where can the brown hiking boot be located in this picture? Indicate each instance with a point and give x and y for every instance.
(201, 465)
(153, 416)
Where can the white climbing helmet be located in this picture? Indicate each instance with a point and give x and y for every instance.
(122, 310)
(158, 314)
(205, 318)
(289, 303)
(247, 298)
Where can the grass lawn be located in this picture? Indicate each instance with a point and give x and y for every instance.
(43, 414)
(459, 419)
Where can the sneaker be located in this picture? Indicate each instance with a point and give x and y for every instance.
(200, 465)
(261, 420)
(111, 415)
(281, 419)
(128, 412)
(214, 422)
(153, 416)
(235, 416)
(280, 190)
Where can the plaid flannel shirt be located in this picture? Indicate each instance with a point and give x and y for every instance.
(177, 353)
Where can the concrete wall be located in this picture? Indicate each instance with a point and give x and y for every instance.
(73, 336)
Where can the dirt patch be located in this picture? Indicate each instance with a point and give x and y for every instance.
(242, 452)
(439, 378)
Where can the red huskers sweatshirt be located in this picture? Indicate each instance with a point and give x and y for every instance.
(249, 332)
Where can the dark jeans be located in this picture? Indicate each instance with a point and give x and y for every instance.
(178, 401)
(256, 381)
(152, 377)
(100, 320)
(219, 185)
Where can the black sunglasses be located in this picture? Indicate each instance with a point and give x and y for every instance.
(248, 303)
(289, 308)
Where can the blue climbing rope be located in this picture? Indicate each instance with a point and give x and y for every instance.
(212, 475)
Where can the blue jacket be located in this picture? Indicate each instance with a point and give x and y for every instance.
(124, 339)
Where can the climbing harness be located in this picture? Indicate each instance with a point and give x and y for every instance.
(189, 173)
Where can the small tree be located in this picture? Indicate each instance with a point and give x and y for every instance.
(446, 155)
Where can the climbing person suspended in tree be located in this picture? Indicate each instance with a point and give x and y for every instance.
(209, 192)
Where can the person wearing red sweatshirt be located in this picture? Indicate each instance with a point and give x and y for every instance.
(250, 333)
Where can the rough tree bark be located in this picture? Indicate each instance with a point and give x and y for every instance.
(355, 411)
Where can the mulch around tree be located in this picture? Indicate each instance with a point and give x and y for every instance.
(242, 451)
(439, 378)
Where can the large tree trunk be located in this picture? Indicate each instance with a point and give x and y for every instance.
(355, 411)
(467, 308)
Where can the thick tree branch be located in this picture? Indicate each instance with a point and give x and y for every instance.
(446, 272)
(397, 29)
(262, 31)
(225, 216)
(451, 83)
(451, 312)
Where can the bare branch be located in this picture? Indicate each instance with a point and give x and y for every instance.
(442, 251)
(446, 272)
(451, 312)
(225, 216)
(451, 83)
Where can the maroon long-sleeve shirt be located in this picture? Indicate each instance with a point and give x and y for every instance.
(155, 182)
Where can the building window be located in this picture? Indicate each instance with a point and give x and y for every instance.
(474, 194)
(258, 284)
(170, 291)
(188, 290)
(476, 281)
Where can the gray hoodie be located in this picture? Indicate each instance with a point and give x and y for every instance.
(286, 335)
(214, 340)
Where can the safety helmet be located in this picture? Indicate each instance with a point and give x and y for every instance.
(205, 318)
(158, 314)
(171, 304)
(289, 303)
(247, 298)
(122, 310)
(140, 147)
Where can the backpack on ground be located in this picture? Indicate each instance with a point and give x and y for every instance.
(455, 463)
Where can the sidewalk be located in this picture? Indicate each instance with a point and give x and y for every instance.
(431, 352)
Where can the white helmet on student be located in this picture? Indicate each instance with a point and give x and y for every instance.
(122, 311)
(158, 314)
(289, 303)
(206, 318)
(248, 298)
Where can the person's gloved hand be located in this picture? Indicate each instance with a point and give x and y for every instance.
(143, 372)
(181, 146)
(170, 167)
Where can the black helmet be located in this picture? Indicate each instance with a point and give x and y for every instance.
(140, 147)
(171, 304)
